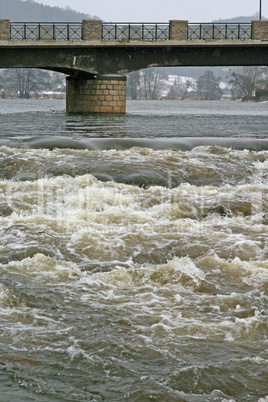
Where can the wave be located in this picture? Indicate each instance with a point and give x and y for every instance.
(183, 144)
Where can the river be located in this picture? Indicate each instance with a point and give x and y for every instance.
(134, 252)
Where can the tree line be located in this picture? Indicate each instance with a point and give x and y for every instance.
(239, 83)
(150, 83)
(24, 82)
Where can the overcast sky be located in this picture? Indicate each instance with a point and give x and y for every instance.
(163, 10)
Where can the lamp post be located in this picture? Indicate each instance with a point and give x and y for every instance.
(260, 10)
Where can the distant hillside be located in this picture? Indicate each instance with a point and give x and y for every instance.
(241, 19)
(30, 11)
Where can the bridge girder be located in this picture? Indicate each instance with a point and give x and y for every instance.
(87, 60)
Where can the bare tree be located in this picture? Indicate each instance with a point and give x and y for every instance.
(151, 82)
(245, 82)
(180, 88)
(145, 84)
(58, 81)
(186, 86)
(24, 81)
(133, 85)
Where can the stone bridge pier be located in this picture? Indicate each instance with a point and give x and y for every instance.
(96, 94)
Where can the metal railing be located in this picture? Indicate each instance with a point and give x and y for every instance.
(135, 31)
(27, 31)
(73, 31)
(220, 31)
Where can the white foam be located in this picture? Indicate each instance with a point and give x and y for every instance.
(41, 267)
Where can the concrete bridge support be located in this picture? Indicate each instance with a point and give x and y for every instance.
(99, 94)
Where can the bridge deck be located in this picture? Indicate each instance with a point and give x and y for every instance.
(134, 43)
(136, 46)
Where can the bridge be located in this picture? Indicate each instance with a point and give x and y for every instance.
(96, 55)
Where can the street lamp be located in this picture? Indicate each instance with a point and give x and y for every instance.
(260, 10)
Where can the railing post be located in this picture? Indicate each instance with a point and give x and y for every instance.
(92, 30)
(259, 30)
(178, 30)
(4, 29)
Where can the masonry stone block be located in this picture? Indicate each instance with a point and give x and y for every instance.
(96, 95)
(260, 30)
(4, 29)
(92, 30)
(178, 30)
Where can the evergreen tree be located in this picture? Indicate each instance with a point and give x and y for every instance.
(208, 86)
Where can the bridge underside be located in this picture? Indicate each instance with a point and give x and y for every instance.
(91, 67)
(116, 59)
